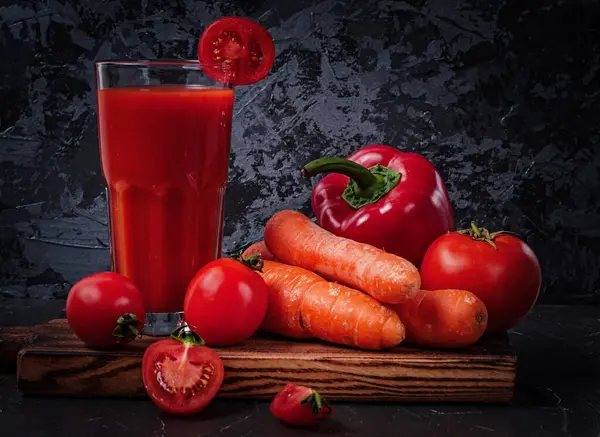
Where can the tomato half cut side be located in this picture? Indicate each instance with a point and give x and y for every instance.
(181, 378)
(236, 51)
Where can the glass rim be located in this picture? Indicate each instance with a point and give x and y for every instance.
(153, 63)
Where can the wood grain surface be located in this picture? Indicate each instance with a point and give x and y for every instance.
(52, 361)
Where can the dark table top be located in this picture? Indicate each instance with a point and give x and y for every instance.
(558, 394)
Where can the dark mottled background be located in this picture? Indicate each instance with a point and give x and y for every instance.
(504, 98)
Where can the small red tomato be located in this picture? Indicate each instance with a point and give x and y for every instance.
(236, 50)
(299, 405)
(181, 375)
(105, 310)
(498, 268)
(226, 302)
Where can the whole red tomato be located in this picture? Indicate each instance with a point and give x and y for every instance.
(226, 302)
(181, 375)
(105, 310)
(299, 405)
(498, 268)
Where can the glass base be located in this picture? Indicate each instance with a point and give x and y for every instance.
(162, 324)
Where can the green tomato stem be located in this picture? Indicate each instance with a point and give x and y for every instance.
(126, 327)
(482, 234)
(188, 337)
(255, 262)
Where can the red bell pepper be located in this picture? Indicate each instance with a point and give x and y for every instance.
(393, 200)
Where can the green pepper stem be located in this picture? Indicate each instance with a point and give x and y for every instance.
(361, 175)
(367, 185)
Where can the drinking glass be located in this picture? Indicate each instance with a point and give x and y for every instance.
(165, 131)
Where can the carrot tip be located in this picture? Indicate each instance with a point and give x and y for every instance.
(393, 333)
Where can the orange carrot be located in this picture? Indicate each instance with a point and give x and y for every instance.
(304, 305)
(259, 248)
(443, 318)
(292, 238)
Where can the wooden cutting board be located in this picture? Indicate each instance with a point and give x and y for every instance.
(52, 361)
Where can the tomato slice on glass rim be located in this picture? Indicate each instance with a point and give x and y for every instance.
(181, 375)
(236, 51)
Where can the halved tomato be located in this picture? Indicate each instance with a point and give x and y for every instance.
(181, 375)
(236, 50)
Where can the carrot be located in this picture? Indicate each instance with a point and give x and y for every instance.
(259, 248)
(304, 305)
(443, 318)
(292, 238)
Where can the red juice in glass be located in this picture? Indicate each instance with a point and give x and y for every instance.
(165, 134)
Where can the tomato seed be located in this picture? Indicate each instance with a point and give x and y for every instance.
(205, 374)
(161, 381)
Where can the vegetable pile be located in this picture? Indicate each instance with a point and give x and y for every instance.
(381, 266)
(385, 305)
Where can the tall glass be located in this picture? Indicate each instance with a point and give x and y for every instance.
(165, 131)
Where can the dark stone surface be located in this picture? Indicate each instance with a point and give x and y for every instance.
(503, 97)
(558, 394)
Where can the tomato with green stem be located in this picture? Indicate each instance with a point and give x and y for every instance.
(226, 300)
(300, 405)
(105, 310)
(181, 375)
(499, 268)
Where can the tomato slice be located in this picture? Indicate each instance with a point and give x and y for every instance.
(181, 376)
(300, 405)
(236, 50)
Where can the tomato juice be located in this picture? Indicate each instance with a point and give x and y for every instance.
(165, 155)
